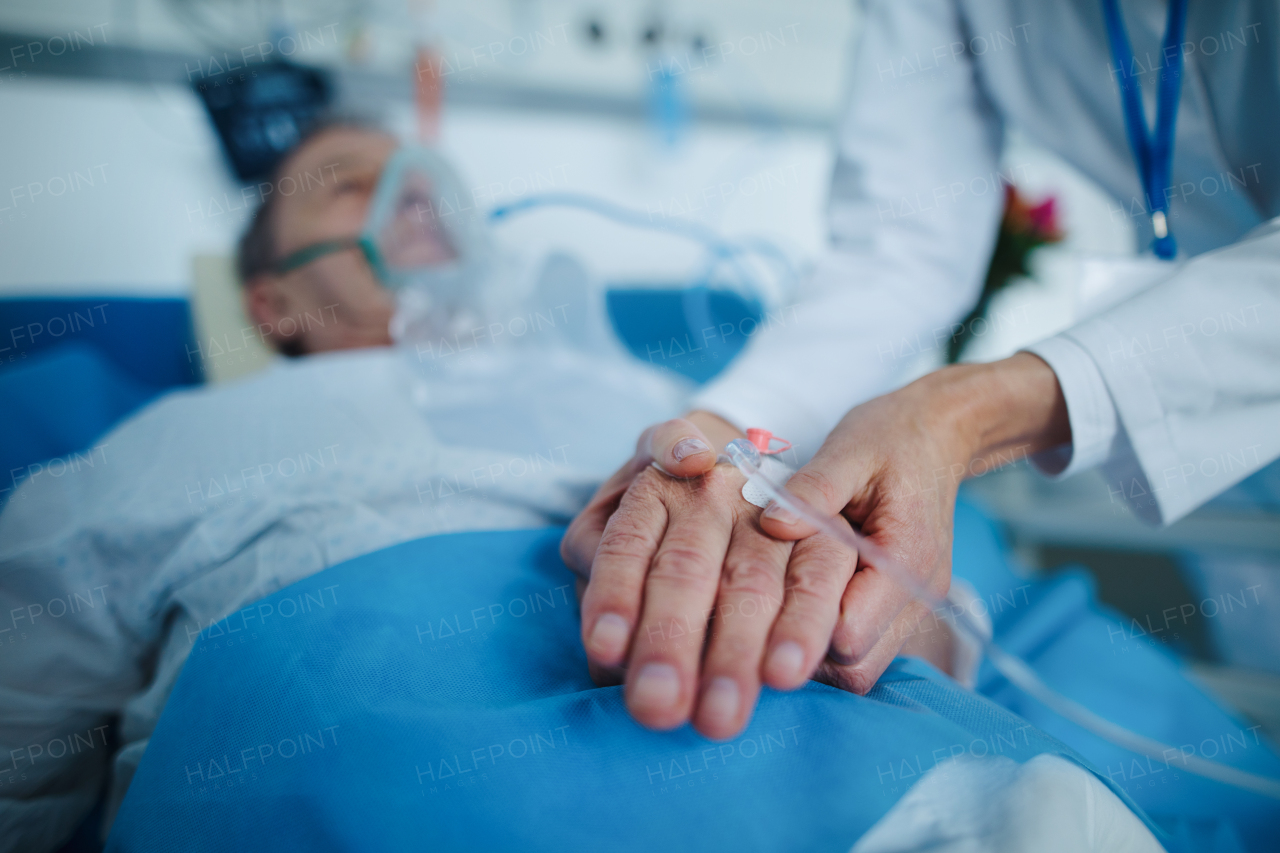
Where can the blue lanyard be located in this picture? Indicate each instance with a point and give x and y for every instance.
(1152, 152)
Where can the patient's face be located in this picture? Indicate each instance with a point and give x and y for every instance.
(334, 302)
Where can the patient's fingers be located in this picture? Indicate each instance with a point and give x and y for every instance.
(578, 547)
(676, 445)
(750, 594)
(662, 674)
(817, 577)
(603, 676)
(611, 604)
(581, 540)
(679, 447)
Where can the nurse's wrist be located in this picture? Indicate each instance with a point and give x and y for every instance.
(998, 412)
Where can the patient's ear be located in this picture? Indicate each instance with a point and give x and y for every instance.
(266, 304)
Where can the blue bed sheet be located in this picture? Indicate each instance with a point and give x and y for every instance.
(1120, 668)
(434, 695)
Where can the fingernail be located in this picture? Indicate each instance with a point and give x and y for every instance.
(686, 447)
(656, 688)
(779, 513)
(786, 661)
(609, 636)
(841, 653)
(720, 702)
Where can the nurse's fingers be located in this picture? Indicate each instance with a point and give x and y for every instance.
(871, 603)
(837, 472)
(606, 676)
(679, 447)
(860, 677)
(817, 578)
(750, 595)
(662, 672)
(876, 596)
(615, 590)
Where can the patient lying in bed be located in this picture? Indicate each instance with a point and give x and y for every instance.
(215, 499)
(211, 499)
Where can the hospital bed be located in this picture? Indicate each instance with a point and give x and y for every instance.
(236, 692)
(436, 692)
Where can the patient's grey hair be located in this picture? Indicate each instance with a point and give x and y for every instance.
(256, 251)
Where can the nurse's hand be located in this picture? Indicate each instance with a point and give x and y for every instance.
(893, 466)
(667, 555)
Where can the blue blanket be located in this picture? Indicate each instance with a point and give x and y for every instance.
(435, 695)
(1121, 668)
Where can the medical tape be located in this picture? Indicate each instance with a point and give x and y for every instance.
(755, 494)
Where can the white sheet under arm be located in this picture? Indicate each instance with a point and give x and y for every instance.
(995, 805)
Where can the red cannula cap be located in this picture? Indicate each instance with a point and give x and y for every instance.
(762, 438)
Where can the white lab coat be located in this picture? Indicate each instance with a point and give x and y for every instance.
(1180, 408)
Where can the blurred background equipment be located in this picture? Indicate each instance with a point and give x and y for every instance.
(261, 115)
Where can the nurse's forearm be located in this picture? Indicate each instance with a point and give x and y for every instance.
(993, 412)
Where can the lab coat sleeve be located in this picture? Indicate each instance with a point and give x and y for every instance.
(1192, 366)
(1095, 427)
(915, 201)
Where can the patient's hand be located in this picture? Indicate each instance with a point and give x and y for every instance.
(676, 565)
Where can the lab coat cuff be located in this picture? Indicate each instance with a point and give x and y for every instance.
(1092, 413)
(1147, 448)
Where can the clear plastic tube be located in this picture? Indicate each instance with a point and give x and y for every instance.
(746, 458)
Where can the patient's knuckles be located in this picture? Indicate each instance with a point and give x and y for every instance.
(683, 566)
(636, 525)
(651, 488)
(624, 542)
(751, 576)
